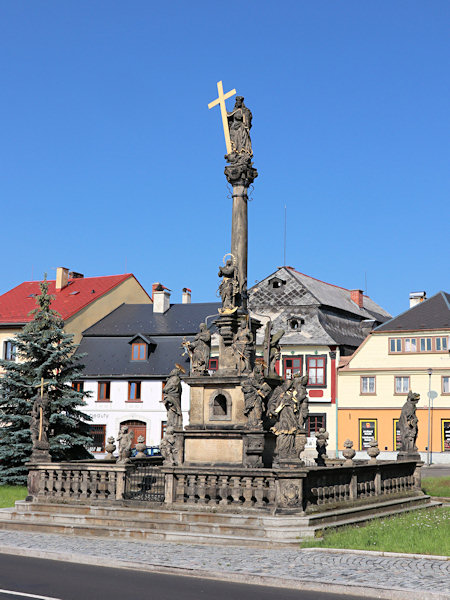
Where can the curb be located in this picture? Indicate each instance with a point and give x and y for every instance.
(379, 553)
(314, 586)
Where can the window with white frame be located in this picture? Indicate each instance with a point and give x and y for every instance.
(441, 344)
(410, 345)
(395, 345)
(425, 344)
(401, 385)
(446, 384)
(367, 385)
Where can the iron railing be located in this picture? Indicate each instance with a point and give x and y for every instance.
(146, 483)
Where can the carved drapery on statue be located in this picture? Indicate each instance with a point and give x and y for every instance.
(299, 384)
(199, 351)
(408, 425)
(244, 348)
(272, 349)
(240, 123)
(229, 288)
(172, 398)
(283, 408)
(125, 439)
(255, 391)
(170, 448)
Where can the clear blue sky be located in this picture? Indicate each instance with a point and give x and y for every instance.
(110, 161)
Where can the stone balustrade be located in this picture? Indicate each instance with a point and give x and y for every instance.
(307, 489)
(77, 481)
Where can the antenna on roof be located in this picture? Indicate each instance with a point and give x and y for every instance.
(285, 222)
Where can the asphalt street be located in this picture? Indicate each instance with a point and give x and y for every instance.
(436, 471)
(22, 578)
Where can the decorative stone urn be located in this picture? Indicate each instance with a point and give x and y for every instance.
(110, 449)
(140, 447)
(373, 451)
(348, 453)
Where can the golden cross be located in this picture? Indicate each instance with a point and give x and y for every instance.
(223, 111)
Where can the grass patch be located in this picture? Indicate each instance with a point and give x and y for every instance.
(10, 493)
(436, 486)
(425, 531)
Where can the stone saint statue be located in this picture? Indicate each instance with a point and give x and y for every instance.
(255, 390)
(240, 123)
(172, 398)
(229, 286)
(125, 439)
(408, 426)
(199, 351)
(272, 349)
(283, 407)
(244, 347)
(301, 396)
(40, 421)
(168, 448)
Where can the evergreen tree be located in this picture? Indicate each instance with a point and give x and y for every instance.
(43, 350)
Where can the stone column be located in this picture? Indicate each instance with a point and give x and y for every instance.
(240, 173)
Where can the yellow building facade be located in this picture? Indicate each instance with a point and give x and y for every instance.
(406, 353)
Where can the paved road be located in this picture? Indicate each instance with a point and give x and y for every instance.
(65, 581)
(352, 573)
(436, 471)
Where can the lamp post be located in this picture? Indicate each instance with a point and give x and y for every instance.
(430, 372)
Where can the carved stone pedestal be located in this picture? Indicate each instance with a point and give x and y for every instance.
(409, 456)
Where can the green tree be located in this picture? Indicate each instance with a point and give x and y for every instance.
(43, 350)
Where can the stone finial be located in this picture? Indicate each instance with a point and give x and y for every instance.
(110, 448)
(348, 453)
(140, 447)
(321, 446)
(373, 451)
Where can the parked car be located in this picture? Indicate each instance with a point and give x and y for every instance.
(149, 451)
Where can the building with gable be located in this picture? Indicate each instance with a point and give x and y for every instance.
(322, 323)
(408, 352)
(129, 354)
(81, 301)
(131, 351)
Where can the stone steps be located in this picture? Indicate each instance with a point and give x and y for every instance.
(200, 525)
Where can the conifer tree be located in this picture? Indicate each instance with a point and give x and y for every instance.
(43, 350)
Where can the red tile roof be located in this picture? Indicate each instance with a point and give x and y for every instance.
(15, 305)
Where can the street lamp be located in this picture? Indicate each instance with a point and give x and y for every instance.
(430, 372)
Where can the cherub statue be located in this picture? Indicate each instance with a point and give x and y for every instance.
(125, 439)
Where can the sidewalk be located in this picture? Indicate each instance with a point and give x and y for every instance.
(358, 573)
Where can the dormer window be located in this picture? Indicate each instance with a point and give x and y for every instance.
(295, 323)
(139, 351)
(276, 283)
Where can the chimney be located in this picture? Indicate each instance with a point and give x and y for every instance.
(161, 298)
(186, 298)
(62, 278)
(416, 298)
(358, 297)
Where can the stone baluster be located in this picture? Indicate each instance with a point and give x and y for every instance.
(181, 489)
(103, 486)
(272, 491)
(211, 488)
(84, 486)
(201, 489)
(259, 491)
(57, 482)
(43, 478)
(236, 490)
(111, 485)
(190, 488)
(74, 484)
(247, 491)
(223, 490)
